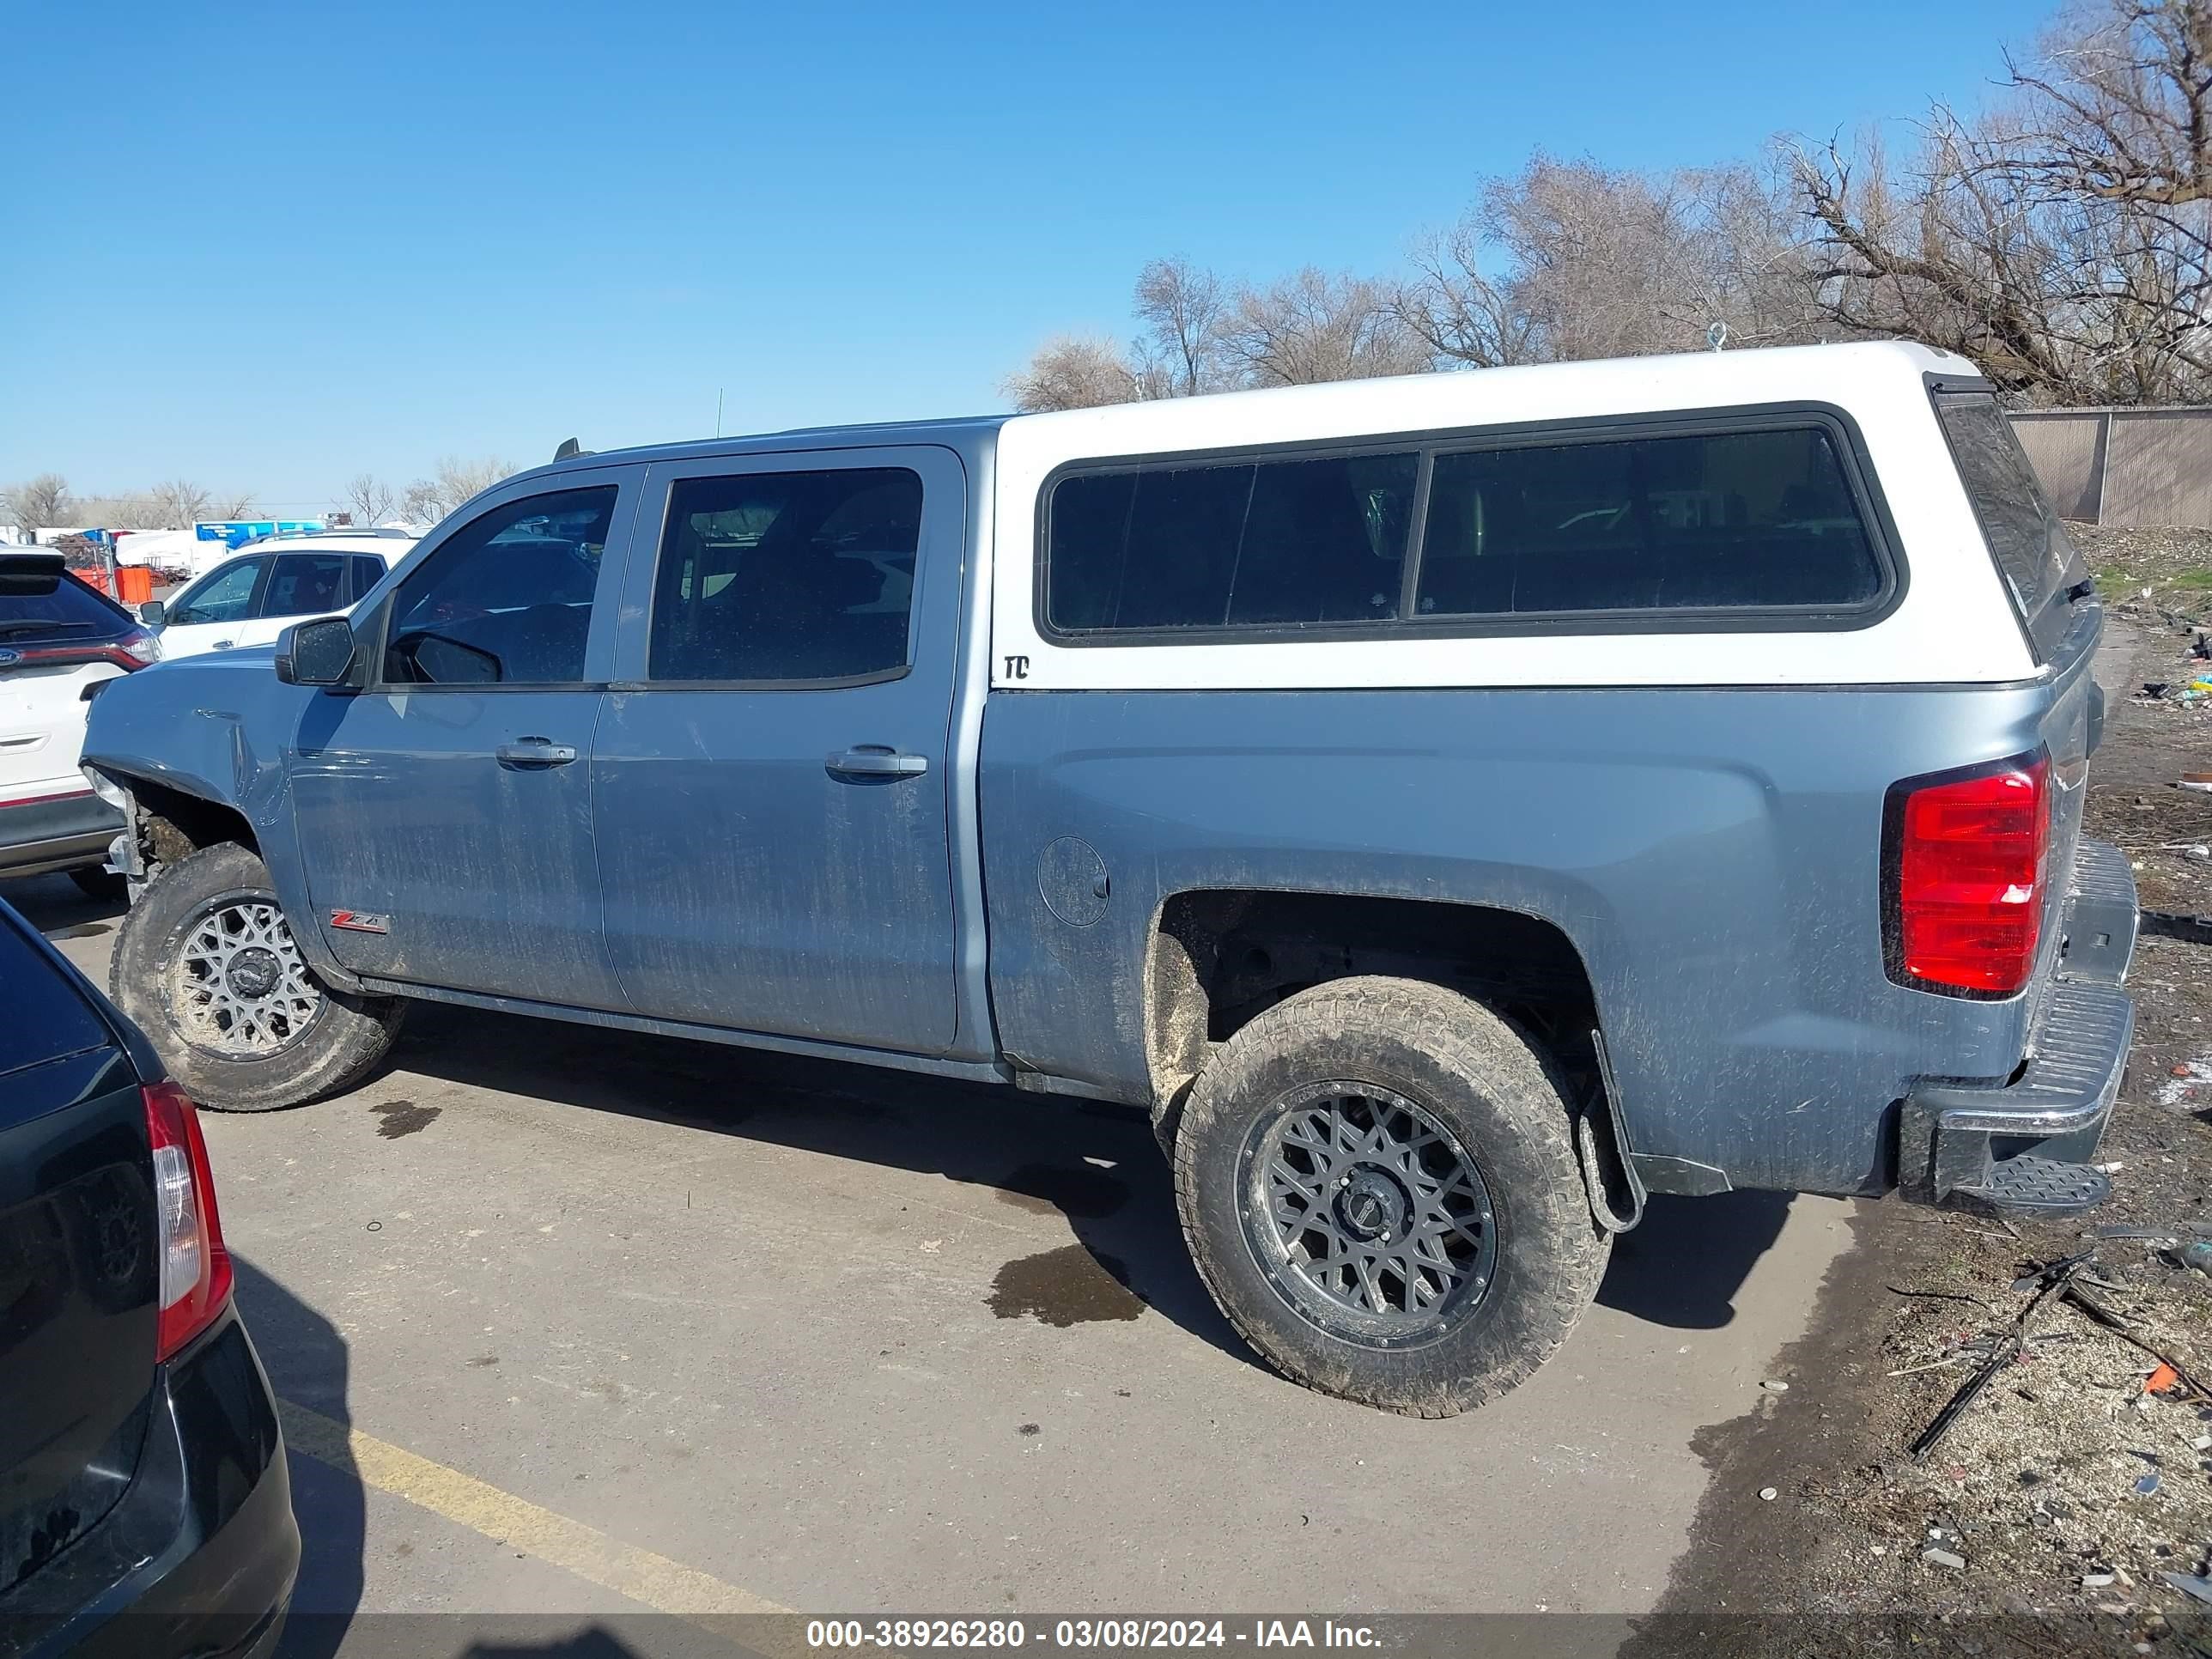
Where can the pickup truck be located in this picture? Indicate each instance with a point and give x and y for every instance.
(1455, 806)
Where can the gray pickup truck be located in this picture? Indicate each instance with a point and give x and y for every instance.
(1455, 806)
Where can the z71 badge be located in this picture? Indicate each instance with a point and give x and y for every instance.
(360, 921)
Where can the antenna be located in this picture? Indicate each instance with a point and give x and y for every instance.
(1716, 336)
(718, 412)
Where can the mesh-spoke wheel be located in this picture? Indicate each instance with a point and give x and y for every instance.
(1367, 1214)
(238, 987)
(1377, 1182)
(206, 964)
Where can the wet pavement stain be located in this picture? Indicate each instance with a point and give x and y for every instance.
(403, 1117)
(1080, 1190)
(1071, 1285)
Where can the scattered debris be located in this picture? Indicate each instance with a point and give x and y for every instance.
(1773, 1387)
(1936, 1557)
(1768, 1494)
(2006, 1347)
(2148, 1484)
(2163, 1379)
(2096, 1580)
(2183, 1079)
(2190, 1583)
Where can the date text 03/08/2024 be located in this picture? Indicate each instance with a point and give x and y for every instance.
(900, 1635)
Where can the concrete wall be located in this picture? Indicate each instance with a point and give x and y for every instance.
(2124, 466)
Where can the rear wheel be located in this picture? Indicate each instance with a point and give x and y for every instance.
(1378, 1184)
(206, 964)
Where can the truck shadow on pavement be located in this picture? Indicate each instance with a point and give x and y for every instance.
(1095, 1164)
(1682, 1267)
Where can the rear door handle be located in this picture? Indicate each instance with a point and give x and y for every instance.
(875, 761)
(534, 751)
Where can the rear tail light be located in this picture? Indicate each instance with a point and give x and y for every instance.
(1965, 874)
(196, 1275)
(134, 649)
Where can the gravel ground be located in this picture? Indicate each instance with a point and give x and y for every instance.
(2047, 1519)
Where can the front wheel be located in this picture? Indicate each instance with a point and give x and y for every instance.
(1377, 1182)
(206, 964)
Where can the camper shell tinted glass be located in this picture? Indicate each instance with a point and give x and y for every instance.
(2026, 536)
(1754, 517)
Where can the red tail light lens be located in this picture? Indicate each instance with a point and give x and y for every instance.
(196, 1275)
(1968, 896)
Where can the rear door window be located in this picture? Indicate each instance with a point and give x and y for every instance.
(305, 584)
(367, 571)
(786, 578)
(2026, 536)
(507, 598)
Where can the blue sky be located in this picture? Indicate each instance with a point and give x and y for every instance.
(268, 246)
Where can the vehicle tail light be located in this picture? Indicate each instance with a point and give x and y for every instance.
(196, 1273)
(1967, 899)
(134, 649)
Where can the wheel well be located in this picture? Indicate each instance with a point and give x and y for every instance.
(1219, 957)
(172, 823)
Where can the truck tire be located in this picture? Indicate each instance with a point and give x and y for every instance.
(1378, 1181)
(206, 963)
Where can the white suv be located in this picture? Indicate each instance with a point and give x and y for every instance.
(60, 643)
(248, 599)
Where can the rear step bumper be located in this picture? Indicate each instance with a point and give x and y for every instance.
(2024, 1147)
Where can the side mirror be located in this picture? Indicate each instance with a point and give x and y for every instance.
(153, 613)
(317, 653)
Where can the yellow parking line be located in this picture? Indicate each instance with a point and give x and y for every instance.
(664, 1585)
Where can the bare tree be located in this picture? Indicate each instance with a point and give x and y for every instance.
(1072, 371)
(2063, 240)
(368, 498)
(38, 502)
(1314, 327)
(135, 509)
(429, 500)
(1596, 262)
(1185, 311)
(236, 505)
(179, 502)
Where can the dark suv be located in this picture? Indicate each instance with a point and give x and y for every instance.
(145, 1506)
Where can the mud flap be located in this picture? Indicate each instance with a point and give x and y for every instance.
(1614, 1210)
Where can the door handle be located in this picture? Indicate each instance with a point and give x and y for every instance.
(872, 760)
(534, 751)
